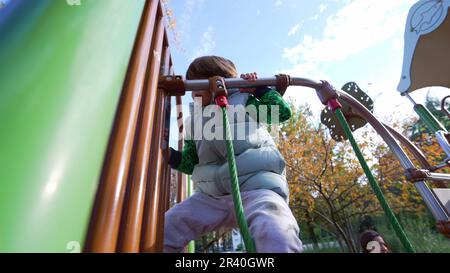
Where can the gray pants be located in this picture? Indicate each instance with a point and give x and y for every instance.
(272, 225)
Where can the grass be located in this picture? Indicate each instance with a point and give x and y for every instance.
(419, 229)
(422, 234)
(324, 250)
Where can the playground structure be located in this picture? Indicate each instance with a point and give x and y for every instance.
(110, 174)
(82, 165)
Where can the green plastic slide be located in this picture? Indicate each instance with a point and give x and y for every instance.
(62, 67)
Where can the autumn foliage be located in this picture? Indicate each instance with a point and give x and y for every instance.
(328, 189)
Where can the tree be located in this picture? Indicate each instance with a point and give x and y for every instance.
(402, 194)
(418, 128)
(327, 187)
(419, 133)
(171, 24)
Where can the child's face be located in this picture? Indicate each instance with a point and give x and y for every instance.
(204, 95)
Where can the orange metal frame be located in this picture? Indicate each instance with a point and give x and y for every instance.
(134, 189)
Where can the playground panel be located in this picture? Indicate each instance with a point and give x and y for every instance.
(61, 75)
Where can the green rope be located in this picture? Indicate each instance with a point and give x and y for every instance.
(375, 187)
(239, 209)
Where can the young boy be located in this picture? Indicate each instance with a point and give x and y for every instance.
(260, 167)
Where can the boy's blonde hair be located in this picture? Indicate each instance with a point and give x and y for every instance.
(210, 66)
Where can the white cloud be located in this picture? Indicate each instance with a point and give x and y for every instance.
(352, 29)
(398, 44)
(294, 29)
(303, 94)
(207, 43)
(357, 26)
(314, 17)
(278, 3)
(322, 8)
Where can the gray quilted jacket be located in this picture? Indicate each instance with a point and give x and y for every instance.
(259, 163)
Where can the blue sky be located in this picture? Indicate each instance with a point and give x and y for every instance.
(336, 40)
